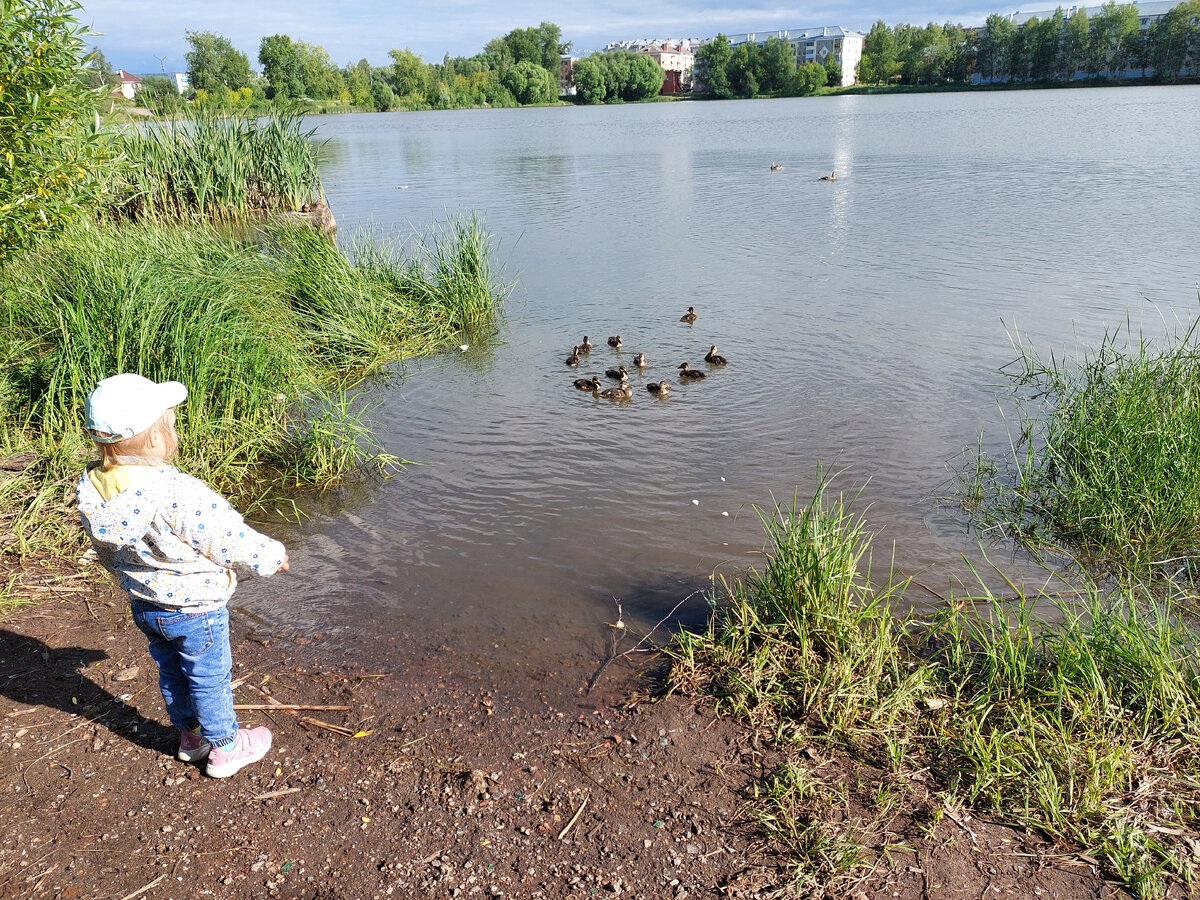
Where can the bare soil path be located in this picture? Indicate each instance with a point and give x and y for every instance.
(434, 783)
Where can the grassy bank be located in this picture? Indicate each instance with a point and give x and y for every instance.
(1105, 461)
(269, 336)
(1087, 729)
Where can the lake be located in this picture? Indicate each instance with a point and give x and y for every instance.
(865, 321)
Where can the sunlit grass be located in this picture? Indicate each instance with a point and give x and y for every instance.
(1086, 728)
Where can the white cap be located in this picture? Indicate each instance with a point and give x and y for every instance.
(128, 404)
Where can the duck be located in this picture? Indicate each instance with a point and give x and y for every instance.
(618, 374)
(689, 316)
(588, 384)
(640, 360)
(776, 167)
(661, 388)
(615, 341)
(685, 372)
(624, 392)
(586, 346)
(573, 359)
(713, 358)
(832, 176)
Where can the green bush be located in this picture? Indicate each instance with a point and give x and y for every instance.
(51, 152)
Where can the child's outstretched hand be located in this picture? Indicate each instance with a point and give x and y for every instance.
(283, 566)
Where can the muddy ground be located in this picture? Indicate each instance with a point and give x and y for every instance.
(440, 783)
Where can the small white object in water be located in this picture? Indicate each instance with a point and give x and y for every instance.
(725, 514)
(464, 346)
(722, 477)
(695, 503)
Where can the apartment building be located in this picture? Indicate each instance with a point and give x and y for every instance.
(815, 45)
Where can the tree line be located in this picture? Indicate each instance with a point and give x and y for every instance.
(521, 67)
(516, 69)
(752, 70)
(1111, 43)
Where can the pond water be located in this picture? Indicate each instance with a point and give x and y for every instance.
(864, 319)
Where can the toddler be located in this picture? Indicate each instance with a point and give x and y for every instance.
(174, 546)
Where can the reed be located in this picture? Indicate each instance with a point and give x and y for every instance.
(1106, 465)
(217, 167)
(268, 337)
(1083, 723)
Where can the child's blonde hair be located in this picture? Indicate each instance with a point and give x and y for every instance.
(143, 449)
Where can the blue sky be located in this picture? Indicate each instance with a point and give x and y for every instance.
(145, 36)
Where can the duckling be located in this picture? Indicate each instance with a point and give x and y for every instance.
(586, 346)
(640, 360)
(776, 167)
(588, 384)
(713, 358)
(615, 341)
(573, 359)
(689, 316)
(624, 392)
(685, 372)
(832, 176)
(617, 374)
(661, 388)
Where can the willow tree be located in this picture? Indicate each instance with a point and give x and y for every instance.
(50, 147)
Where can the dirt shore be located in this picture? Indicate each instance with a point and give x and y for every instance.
(433, 783)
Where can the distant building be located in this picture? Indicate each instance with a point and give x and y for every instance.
(129, 85)
(677, 60)
(1148, 13)
(182, 83)
(815, 45)
(566, 76)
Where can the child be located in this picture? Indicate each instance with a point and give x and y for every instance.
(173, 545)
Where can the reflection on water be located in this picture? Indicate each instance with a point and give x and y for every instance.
(864, 321)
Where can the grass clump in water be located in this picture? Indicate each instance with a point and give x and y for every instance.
(216, 167)
(1106, 467)
(1086, 728)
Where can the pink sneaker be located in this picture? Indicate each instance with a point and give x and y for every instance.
(249, 745)
(192, 747)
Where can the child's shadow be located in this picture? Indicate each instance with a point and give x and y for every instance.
(33, 673)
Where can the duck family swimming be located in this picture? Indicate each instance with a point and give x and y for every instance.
(624, 391)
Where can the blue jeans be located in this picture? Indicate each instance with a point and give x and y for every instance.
(194, 666)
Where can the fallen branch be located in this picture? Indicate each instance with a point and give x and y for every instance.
(147, 887)
(271, 795)
(338, 729)
(575, 818)
(287, 707)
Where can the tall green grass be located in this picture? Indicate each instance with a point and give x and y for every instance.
(215, 166)
(1106, 462)
(268, 338)
(1083, 723)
